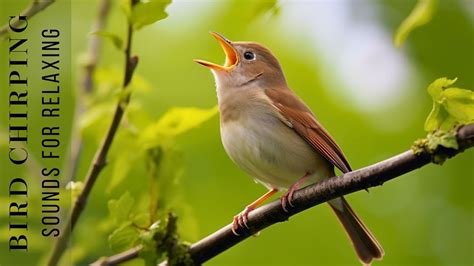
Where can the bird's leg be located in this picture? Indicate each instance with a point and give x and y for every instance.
(286, 199)
(242, 218)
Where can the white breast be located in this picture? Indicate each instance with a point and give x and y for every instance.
(268, 150)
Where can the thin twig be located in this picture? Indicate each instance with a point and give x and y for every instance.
(32, 9)
(86, 84)
(118, 258)
(99, 161)
(312, 195)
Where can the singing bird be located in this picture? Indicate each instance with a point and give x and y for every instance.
(269, 132)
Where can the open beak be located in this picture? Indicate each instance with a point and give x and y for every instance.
(231, 58)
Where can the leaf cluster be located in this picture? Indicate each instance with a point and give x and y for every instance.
(451, 106)
(158, 241)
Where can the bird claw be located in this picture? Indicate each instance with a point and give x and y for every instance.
(241, 220)
(288, 197)
(235, 225)
(286, 200)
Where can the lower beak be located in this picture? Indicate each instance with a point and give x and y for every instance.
(231, 59)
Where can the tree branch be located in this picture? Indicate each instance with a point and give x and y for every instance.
(86, 84)
(99, 161)
(118, 258)
(312, 195)
(35, 7)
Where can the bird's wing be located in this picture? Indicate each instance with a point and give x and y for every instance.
(295, 114)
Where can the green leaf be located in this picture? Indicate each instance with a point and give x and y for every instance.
(110, 80)
(151, 240)
(114, 38)
(122, 165)
(170, 171)
(123, 237)
(451, 106)
(91, 122)
(436, 88)
(446, 139)
(459, 103)
(141, 220)
(146, 13)
(433, 141)
(120, 209)
(174, 122)
(126, 6)
(420, 15)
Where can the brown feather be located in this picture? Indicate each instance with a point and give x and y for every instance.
(298, 116)
(303, 121)
(365, 244)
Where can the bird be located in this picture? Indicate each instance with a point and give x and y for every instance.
(273, 136)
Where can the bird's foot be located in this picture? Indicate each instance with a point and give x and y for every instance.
(287, 198)
(241, 219)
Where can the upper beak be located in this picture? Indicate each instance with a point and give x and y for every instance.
(231, 59)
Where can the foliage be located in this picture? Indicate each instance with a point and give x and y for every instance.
(192, 167)
(162, 239)
(143, 13)
(114, 38)
(158, 240)
(174, 122)
(146, 141)
(451, 106)
(433, 142)
(152, 144)
(419, 16)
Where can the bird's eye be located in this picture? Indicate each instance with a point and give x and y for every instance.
(249, 55)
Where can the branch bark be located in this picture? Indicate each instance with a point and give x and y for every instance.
(34, 8)
(312, 195)
(118, 258)
(100, 159)
(86, 84)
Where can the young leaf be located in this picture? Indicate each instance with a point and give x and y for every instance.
(91, 123)
(145, 13)
(114, 38)
(435, 140)
(122, 165)
(445, 139)
(151, 240)
(126, 6)
(451, 106)
(420, 15)
(459, 104)
(436, 88)
(110, 80)
(171, 169)
(120, 209)
(141, 220)
(123, 237)
(174, 122)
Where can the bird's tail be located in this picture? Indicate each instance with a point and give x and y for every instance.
(365, 244)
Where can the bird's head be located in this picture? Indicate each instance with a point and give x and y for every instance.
(246, 63)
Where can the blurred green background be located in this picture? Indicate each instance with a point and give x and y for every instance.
(340, 58)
